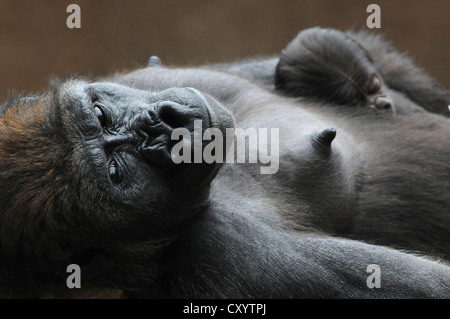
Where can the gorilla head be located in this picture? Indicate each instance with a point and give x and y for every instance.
(89, 165)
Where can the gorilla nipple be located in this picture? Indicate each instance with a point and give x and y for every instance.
(321, 142)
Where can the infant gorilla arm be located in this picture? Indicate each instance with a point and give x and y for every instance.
(87, 178)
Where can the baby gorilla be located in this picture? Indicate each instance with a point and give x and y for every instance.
(330, 66)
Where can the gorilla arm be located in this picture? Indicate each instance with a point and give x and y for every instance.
(234, 255)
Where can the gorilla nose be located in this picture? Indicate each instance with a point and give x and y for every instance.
(165, 116)
(156, 124)
(173, 115)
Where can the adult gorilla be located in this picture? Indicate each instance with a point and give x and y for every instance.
(88, 177)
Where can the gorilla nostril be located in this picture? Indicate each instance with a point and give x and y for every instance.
(169, 117)
(174, 116)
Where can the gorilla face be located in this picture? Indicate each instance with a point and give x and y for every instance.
(127, 132)
(125, 137)
(108, 166)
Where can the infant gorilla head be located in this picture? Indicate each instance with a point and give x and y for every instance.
(99, 155)
(329, 65)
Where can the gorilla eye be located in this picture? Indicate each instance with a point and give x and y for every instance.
(100, 115)
(113, 171)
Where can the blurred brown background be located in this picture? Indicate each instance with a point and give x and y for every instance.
(35, 43)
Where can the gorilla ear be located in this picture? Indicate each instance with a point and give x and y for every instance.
(93, 263)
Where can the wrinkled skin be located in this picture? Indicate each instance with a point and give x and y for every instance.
(87, 177)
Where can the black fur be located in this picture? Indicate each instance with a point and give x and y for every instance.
(86, 178)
